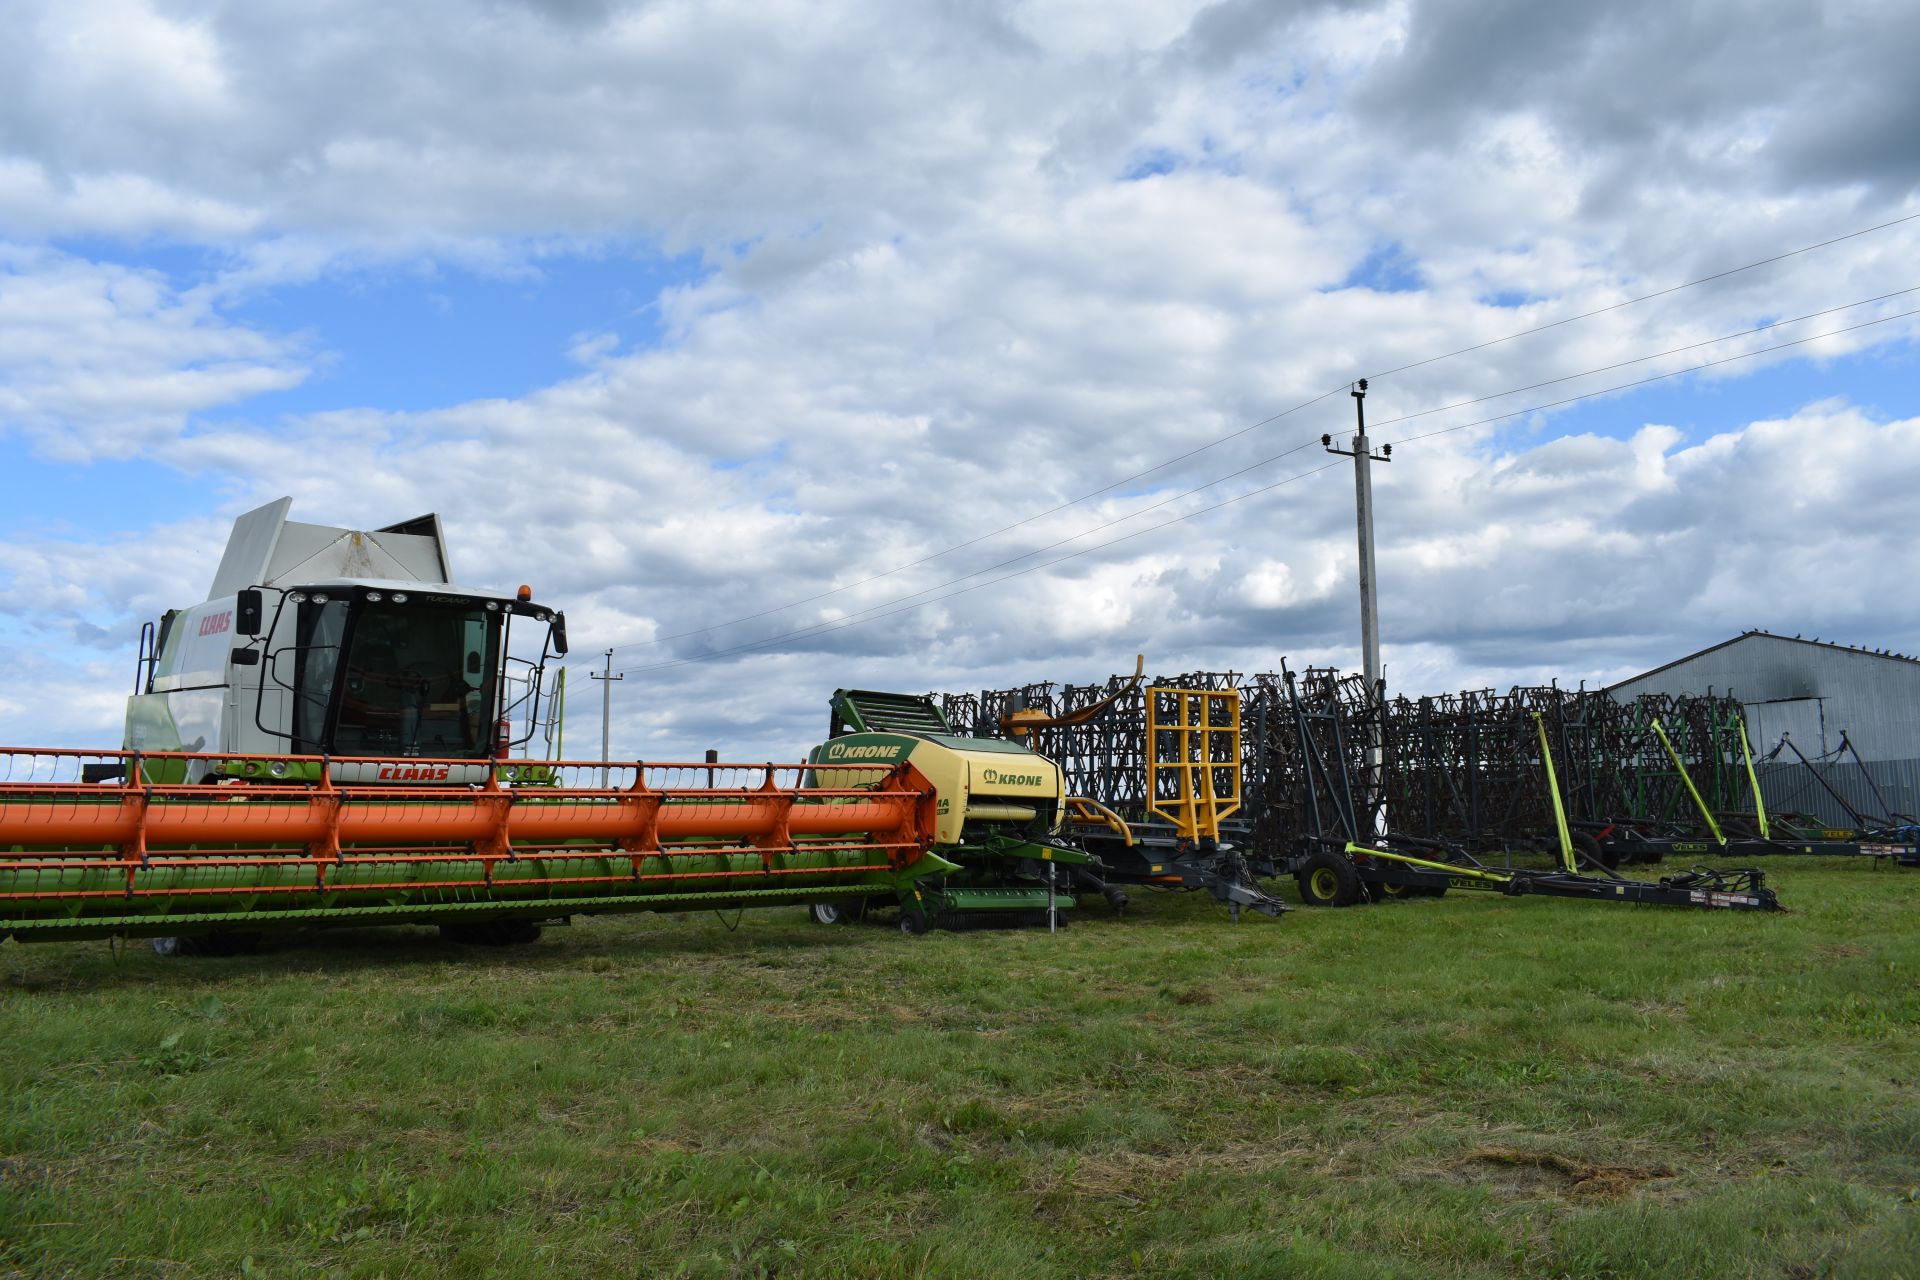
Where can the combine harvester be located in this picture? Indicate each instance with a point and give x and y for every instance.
(325, 742)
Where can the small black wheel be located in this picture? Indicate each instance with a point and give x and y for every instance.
(492, 933)
(840, 911)
(1328, 880)
(1589, 852)
(913, 923)
(214, 945)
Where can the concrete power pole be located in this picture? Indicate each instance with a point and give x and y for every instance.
(606, 710)
(1363, 460)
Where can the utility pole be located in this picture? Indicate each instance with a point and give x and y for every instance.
(606, 711)
(1363, 460)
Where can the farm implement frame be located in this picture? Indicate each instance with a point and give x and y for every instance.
(493, 858)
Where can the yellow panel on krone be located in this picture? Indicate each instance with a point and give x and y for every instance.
(1193, 758)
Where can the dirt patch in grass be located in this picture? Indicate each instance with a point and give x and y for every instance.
(1532, 1174)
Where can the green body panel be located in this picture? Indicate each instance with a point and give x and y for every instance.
(1025, 899)
(150, 727)
(93, 899)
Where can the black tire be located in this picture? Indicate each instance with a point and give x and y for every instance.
(912, 923)
(1380, 891)
(213, 945)
(1328, 880)
(830, 913)
(1589, 852)
(492, 933)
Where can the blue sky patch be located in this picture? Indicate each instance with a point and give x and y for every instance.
(404, 340)
(1150, 164)
(1388, 268)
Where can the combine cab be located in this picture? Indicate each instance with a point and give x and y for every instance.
(325, 642)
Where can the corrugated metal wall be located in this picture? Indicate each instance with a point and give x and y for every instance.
(1792, 788)
(1814, 694)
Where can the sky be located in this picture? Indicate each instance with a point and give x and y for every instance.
(794, 347)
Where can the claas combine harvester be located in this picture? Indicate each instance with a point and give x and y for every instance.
(326, 741)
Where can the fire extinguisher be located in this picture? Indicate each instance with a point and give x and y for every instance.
(503, 737)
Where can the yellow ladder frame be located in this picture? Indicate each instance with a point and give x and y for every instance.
(1204, 727)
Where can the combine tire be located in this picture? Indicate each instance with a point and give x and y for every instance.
(842, 912)
(1329, 880)
(913, 923)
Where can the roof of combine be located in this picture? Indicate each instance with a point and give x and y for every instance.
(266, 549)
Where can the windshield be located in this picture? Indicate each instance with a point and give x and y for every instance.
(416, 680)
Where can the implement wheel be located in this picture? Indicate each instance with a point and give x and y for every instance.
(840, 912)
(208, 944)
(1383, 892)
(1589, 852)
(1328, 880)
(913, 923)
(491, 933)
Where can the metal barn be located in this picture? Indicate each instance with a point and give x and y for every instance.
(1836, 729)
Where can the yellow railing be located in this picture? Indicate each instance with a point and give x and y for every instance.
(1193, 758)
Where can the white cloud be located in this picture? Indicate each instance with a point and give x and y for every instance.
(102, 360)
(933, 307)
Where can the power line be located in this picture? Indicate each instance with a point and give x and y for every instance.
(845, 624)
(817, 627)
(1658, 377)
(1234, 435)
(961, 546)
(873, 616)
(1648, 297)
(814, 628)
(1658, 355)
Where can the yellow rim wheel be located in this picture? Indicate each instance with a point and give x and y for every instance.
(1325, 883)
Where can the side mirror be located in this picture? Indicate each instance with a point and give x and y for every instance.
(560, 634)
(243, 656)
(247, 612)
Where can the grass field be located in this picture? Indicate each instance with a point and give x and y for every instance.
(1468, 1087)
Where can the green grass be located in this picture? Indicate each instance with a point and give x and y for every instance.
(1472, 1087)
